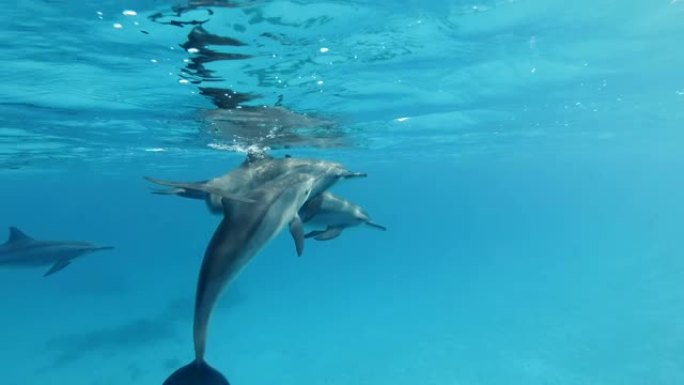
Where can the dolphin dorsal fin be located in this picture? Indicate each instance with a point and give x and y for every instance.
(254, 155)
(16, 235)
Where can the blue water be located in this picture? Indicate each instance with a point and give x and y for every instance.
(525, 156)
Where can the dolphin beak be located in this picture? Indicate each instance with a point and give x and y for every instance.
(98, 248)
(350, 174)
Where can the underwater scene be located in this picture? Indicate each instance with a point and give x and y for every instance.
(342, 192)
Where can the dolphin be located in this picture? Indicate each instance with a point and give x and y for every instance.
(335, 214)
(20, 250)
(255, 170)
(245, 229)
(325, 209)
(248, 225)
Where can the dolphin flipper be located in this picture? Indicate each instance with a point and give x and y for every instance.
(325, 235)
(313, 233)
(196, 373)
(59, 265)
(297, 231)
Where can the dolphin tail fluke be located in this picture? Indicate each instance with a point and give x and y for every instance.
(376, 226)
(196, 373)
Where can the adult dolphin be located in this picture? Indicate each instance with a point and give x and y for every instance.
(257, 169)
(245, 229)
(21, 250)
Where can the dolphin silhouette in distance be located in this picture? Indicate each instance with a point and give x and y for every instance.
(20, 250)
(335, 214)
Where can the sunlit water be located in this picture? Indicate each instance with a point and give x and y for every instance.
(525, 156)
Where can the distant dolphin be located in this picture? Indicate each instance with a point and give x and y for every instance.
(255, 170)
(245, 229)
(20, 250)
(335, 214)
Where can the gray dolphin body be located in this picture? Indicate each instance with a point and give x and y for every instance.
(323, 209)
(20, 250)
(257, 169)
(245, 229)
(334, 214)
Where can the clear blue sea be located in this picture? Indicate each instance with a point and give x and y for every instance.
(526, 157)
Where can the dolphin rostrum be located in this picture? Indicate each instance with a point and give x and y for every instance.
(335, 214)
(20, 250)
(245, 229)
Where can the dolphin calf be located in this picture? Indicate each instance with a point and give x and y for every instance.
(20, 250)
(245, 229)
(335, 214)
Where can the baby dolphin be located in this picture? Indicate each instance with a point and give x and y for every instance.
(335, 213)
(245, 229)
(20, 250)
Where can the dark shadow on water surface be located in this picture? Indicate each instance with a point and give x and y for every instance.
(232, 121)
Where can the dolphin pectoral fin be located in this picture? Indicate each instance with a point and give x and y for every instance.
(59, 265)
(329, 233)
(297, 231)
(313, 233)
(377, 226)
